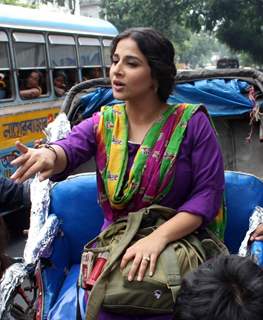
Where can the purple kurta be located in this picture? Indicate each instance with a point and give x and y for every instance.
(199, 173)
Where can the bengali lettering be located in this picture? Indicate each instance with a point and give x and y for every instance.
(22, 128)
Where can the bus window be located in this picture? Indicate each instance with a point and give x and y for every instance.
(31, 63)
(5, 84)
(106, 53)
(64, 57)
(91, 73)
(90, 58)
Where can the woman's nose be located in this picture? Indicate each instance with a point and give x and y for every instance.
(118, 68)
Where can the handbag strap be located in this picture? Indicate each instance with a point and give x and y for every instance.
(98, 291)
(172, 270)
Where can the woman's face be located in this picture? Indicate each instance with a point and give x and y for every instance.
(130, 72)
(33, 80)
(59, 82)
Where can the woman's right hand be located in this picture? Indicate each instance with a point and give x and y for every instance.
(32, 161)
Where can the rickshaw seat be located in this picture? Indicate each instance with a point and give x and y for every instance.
(243, 192)
(74, 201)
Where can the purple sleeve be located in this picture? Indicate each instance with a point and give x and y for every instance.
(79, 146)
(207, 168)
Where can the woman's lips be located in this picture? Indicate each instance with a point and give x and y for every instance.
(118, 85)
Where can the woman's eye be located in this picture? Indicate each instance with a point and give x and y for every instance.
(132, 64)
(114, 61)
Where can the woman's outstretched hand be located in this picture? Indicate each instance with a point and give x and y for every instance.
(32, 161)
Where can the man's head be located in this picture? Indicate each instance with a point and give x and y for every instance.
(224, 288)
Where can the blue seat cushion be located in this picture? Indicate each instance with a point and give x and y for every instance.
(243, 193)
(66, 303)
(74, 201)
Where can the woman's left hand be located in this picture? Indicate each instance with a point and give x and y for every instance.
(144, 253)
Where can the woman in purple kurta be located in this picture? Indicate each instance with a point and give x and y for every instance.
(199, 174)
(142, 75)
(199, 177)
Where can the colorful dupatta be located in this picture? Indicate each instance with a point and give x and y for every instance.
(152, 173)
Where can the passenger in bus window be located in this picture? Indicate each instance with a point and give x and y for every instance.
(59, 80)
(3, 86)
(31, 85)
(91, 73)
(72, 78)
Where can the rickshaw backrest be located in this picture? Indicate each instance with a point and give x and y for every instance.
(74, 201)
(243, 193)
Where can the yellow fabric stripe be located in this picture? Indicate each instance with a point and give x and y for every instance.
(116, 152)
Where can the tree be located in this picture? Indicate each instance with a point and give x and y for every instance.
(169, 17)
(165, 16)
(238, 23)
(201, 50)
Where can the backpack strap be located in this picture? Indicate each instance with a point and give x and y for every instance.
(98, 291)
(172, 270)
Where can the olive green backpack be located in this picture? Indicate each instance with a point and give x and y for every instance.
(154, 295)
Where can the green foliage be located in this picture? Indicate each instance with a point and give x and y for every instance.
(202, 50)
(165, 16)
(238, 23)
(169, 17)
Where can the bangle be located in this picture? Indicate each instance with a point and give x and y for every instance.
(50, 147)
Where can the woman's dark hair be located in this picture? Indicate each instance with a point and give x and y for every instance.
(159, 53)
(24, 78)
(59, 73)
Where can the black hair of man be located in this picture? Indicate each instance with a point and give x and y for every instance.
(223, 288)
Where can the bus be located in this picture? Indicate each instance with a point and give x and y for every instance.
(49, 52)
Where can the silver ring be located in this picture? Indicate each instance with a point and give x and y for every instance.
(147, 258)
